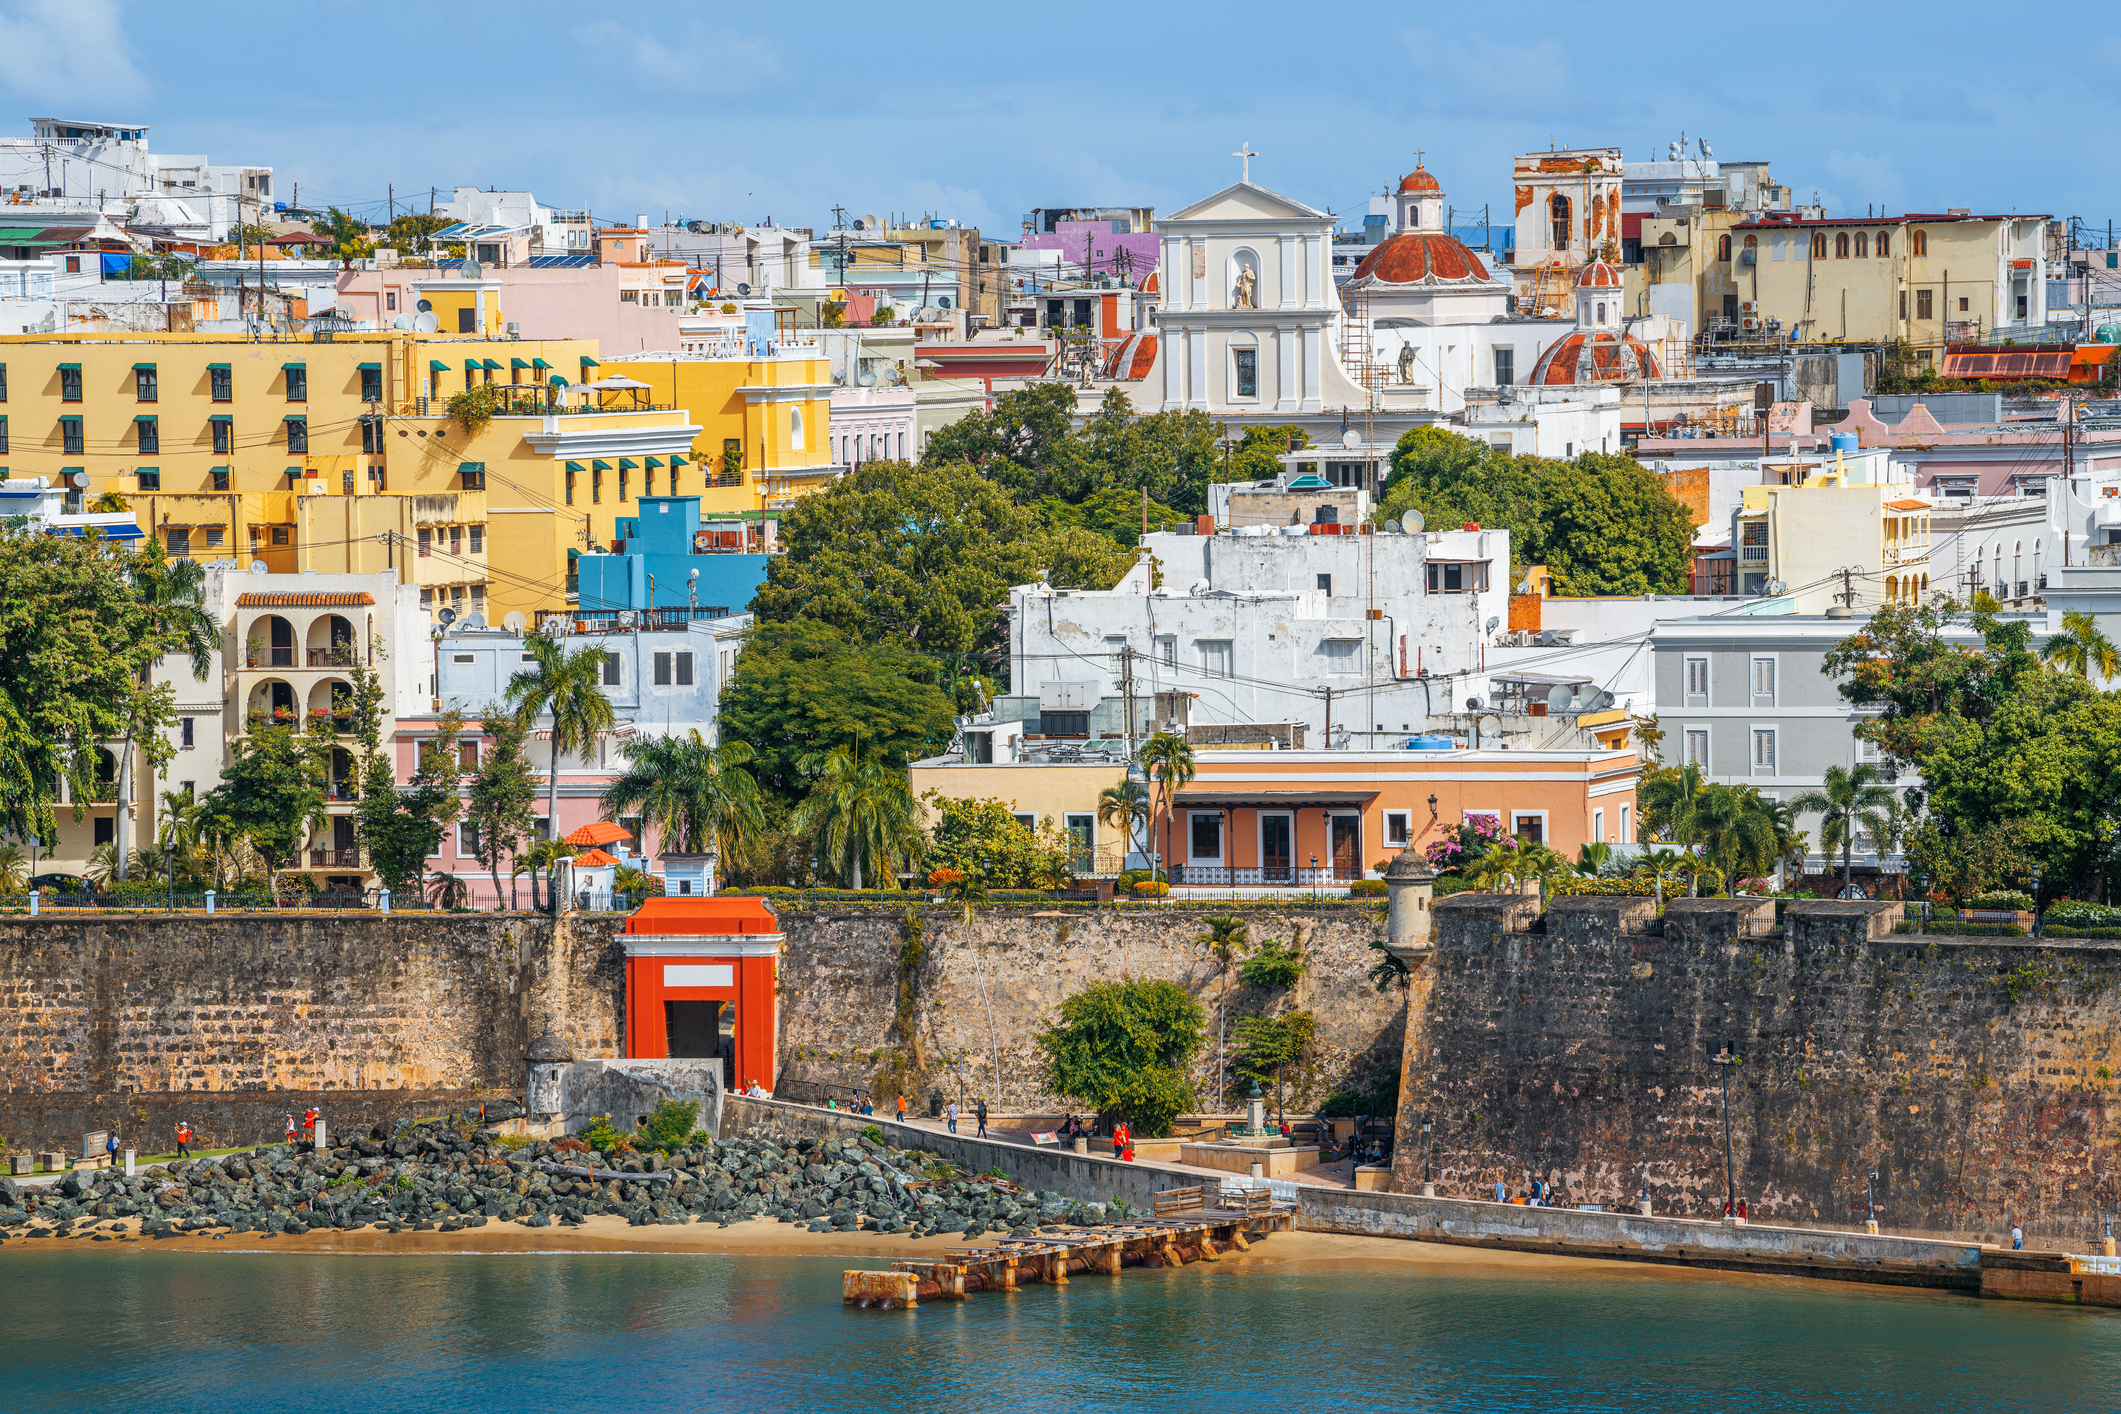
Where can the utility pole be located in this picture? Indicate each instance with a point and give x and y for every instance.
(1126, 687)
(1327, 744)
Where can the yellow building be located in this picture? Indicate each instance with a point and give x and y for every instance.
(1814, 520)
(1039, 793)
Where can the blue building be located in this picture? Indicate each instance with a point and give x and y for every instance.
(699, 568)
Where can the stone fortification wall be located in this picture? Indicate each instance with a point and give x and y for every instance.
(840, 995)
(1976, 1077)
(134, 1021)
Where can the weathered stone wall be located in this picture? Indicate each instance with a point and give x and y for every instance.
(135, 1021)
(839, 989)
(1976, 1077)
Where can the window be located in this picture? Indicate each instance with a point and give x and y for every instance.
(1205, 840)
(1962, 304)
(297, 383)
(1863, 245)
(456, 540)
(1598, 827)
(1531, 829)
(297, 437)
(150, 477)
(1867, 752)
(467, 751)
(279, 535)
(214, 535)
(596, 485)
(106, 829)
(684, 666)
(224, 437)
(1763, 682)
(1340, 653)
(222, 384)
(1922, 304)
(1723, 246)
(70, 385)
(1818, 245)
(570, 486)
(1752, 249)
(427, 546)
(611, 670)
(1167, 652)
(371, 385)
(1325, 585)
(467, 840)
(1505, 367)
(1885, 244)
(1764, 750)
(144, 382)
(1841, 245)
(1601, 312)
(150, 435)
(478, 539)
(467, 320)
(1697, 682)
(795, 431)
(1558, 212)
(3, 434)
(1247, 372)
(70, 435)
(1903, 304)
(186, 736)
(662, 670)
(622, 483)
(1626, 824)
(1697, 747)
(1399, 828)
(1216, 658)
(1919, 244)
(478, 597)
(179, 541)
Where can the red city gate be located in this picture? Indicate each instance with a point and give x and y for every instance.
(700, 983)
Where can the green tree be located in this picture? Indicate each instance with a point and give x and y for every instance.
(1736, 832)
(1256, 456)
(1667, 802)
(984, 841)
(802, 688)
(402, 826)
(502, 795)
(170, 591)
(272, 790)
(1027, 442)
(2081, 648)
(697, 796)
(567, 688)
(349, 236)
(1852, 799)
(1168, 758)
(413, 233)
(1115, 512)
(863, 814)
(1125, 807)
(245, 234)
(1267, 1045)
(1125, 1048)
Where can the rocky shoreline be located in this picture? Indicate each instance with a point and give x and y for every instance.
(443, 1175)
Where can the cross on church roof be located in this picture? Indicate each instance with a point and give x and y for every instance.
(1244, 150)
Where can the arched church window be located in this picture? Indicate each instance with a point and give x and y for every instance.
(1560, 209)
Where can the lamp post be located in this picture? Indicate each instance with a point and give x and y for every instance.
(1314, 877)
(1642, 1198)
(1726, 1059)
(1870, 1201)
(1428, 1132)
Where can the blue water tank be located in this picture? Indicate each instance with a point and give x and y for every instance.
(1844, 441)
(1429, 742)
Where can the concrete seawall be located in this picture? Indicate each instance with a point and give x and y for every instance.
(1629, 1237)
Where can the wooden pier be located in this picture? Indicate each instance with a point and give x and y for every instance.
(1184, 1229)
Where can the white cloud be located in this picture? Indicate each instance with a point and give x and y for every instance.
(695, 60)
(71, 52)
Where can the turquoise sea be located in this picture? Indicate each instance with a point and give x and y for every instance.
(267, 1331)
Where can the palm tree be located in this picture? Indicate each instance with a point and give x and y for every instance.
(696, 795)
(1596, 860)
(1168, 757)
(1124, 807)
(1736, 832)
(1225, 939)
(14, 870)
(2081, 648)
(1669, 799)
(176, 610)
(536, 861)
(863, 812)
(447, 891)
(567, 687)
(1852, 797)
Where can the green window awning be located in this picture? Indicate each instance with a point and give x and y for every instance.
(70, 417)
(588, 362)
(516, 363)
(69, 368)
(576, 466)
(369, 367)
(294, 473)
(435, 365)
(573, 555)
(294, 365)
(143, 367)
(651, 462)
(145, 417)
(147, 471)
(220, 417)
(471, 365)
(625, 463)
(295, 417)
(600, 466)
(539, 363)
(492, 365)
(68, 473)
(679, 461)
(479, 467)
(222, 367)
(218, 470)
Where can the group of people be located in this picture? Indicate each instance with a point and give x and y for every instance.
(1539, 1195)
(862, 1104)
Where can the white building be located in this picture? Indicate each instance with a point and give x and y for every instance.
(73, 166)
(1265, 625)
(501, 227)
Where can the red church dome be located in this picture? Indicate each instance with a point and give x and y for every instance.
(1412, 257)
(1598, 276)
(1419, 180)
(1612, 357)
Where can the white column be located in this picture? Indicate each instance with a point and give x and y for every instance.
(1174, 357)
(1288, 372)
(1312, 340)
(1286, 278)
(1197, 367)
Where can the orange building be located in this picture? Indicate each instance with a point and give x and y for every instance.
(1265, 818)
(700, 983)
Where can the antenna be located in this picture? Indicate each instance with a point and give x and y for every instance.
(514, 621)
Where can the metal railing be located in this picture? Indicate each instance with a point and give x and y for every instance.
(335, 859)
(1264, 877)
(1753, 554)
(337, 656)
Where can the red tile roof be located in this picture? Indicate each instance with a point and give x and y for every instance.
(1415, 256)
(350, 600)
(1558, 364)
(1419, 180)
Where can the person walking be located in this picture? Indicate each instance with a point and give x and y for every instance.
(1502, 1194)
(980, 1110)
(1122, 1140)
(183, 1138)
(2017, 1238)
(110, 1147)
(290, 1129)
(901, 1109)
(309, 1124)
(950, 1116)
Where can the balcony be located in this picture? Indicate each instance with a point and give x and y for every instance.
(335, 859)
(1753, 554)
(260, 656)
(339, 655)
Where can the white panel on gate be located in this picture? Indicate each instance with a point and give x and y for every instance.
(699, 974)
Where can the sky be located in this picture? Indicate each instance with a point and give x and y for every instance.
(738, 113)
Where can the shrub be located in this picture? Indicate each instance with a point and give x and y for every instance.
(2074, 911)
(670, 1126)
(1151, 888)
(873, 1134)
(1274, 964)
(1127, 880)
(1367, 888)
(1625, 888)
(2011, 899)
(601, 1137)
(944, 878)
(1953, 928)
(1126, 1046)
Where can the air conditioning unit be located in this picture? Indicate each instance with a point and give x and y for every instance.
(1746, 306)
(1749, 324)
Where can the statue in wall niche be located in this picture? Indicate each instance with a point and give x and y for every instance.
(1406, 363)
(1245, 296)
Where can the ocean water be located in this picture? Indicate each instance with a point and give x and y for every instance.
(267, 1331)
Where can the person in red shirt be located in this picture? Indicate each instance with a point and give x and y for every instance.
(309, 1123)
(1122, 1140)
(183, 1139)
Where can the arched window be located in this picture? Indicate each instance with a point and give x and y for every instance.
(1818, 245)
(1863, 245)
(2017, 561)
(1752, 245)
(1885, 244)
(1925, 586)
(795, 429)
(1723, 246)
(1921, 246)
(1841, 245)
(1892, 589)
(1559, 208)
(1601, 311)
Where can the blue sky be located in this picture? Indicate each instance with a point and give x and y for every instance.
(740, 112)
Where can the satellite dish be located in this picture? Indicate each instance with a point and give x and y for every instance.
(742, 288)
(626, 617)
(1490, 725)
(447, 615)
(425, 323)
(943, 302)
(1493, 623)
(470, 270)
(514, 621)
(1472, 704)
(1391, 527)
(1412, 522)
(80, 480)
(401, 322)
(1560, 699)
(474, 620)
(858, 223)
(425, 307)
(1351, 438)
(1602, 701)
(1775, 586)
(260, 567)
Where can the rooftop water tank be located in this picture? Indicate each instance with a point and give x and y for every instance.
(1844, 441)
(1429, 741)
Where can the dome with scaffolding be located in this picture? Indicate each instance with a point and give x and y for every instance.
(1595, 356)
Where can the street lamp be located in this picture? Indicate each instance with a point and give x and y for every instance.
(1726, 1059)
(1428, 1131)
(1870, 1200)
(1314, 876)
